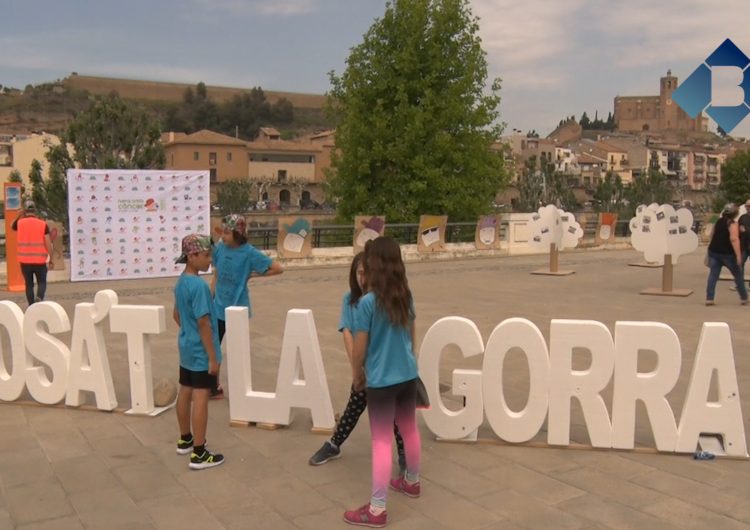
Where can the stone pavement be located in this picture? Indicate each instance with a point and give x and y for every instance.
(71, 469)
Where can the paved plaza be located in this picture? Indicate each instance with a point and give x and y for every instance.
(65, 469)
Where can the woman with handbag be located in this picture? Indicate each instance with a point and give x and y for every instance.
(724, 251)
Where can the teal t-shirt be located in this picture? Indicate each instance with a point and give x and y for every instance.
(192, 298)
(390, 359)
(234, 267)
(346, 320)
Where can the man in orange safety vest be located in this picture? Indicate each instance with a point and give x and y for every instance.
(34, 248)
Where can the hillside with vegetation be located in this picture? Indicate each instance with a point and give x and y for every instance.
(50, 107)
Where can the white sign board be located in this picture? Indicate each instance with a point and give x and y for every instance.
(130, 223)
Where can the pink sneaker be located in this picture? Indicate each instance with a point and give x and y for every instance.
(362, 516)
(411, 490)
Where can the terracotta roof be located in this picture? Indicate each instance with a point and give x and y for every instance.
(323, 135)
(171, 136)
(585, 158)
(269, 131)
(609, 147)
(206, 137)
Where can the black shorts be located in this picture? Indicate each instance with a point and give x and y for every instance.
(197, 379)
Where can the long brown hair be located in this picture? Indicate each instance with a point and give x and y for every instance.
(386, 278)
(355, 292)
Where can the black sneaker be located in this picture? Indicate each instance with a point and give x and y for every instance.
(206, 460)
(324, 454)
(184, 446)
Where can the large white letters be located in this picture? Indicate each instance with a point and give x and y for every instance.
(723, 416)
(12, 384)
(650, 387)
(584, 385)
(553, 383)
(510, 425)
(300, 349)
(51, 372)
(137, 322)
(41, 345)
(88, 335)
(442, 421)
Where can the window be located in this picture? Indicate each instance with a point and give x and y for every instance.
(211, 159)
(282, 175)
(171, 160)
(213, 174)
(196, 155)
(229, 157)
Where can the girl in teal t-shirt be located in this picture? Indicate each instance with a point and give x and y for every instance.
(384, 363)
(235, 261)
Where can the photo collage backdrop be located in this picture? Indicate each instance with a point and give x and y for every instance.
(128, 224)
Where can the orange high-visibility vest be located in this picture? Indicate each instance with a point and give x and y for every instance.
(31, 246)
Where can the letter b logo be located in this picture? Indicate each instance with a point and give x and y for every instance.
(720, 86)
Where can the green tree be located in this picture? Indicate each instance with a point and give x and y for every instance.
(585, 122)
(609, 193)
(36, 180)
(735, 179)
(234, 196)
(646, 189)
(15, 176)
(415, 125)
(112, 134)
(530, 186)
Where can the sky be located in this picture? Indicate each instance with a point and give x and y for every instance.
(555, 58)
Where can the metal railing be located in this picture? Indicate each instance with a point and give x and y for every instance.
(326, 236)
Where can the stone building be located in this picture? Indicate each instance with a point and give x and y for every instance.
(656, 113)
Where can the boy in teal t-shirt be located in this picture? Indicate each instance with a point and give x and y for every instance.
(200, 352)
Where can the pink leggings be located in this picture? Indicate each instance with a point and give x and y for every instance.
(386, 405)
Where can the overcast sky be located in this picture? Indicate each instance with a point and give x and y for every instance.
(556, 58)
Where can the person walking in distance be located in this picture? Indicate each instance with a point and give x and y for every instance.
(724, 251)
(34, 249)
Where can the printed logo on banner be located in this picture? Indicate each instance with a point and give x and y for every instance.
(720, 86)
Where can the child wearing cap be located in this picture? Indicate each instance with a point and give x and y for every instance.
(235, 262)
(200, 351)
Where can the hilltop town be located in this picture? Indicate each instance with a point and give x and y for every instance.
(289, 161)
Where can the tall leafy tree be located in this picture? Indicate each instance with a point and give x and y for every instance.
(234, 196)
(415, 120)
(112, 134)
(36, 180)
(609, 193)
(735, 179)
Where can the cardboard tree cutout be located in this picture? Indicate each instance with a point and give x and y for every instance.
(554, 229)
(663, 235)
(366, 228)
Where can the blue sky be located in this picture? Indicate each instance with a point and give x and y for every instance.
(556, 58)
